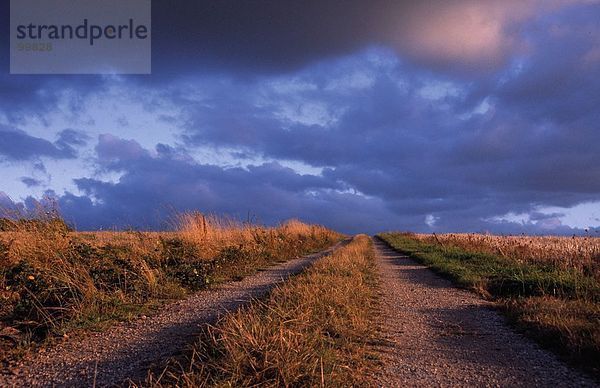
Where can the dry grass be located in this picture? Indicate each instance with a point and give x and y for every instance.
(581, 254)
(211, 233)
(311, 331)
(53, 279)
(571, 327)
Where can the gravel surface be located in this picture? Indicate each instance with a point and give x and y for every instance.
(128, 350)
(439, 335)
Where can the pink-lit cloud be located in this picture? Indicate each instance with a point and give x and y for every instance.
(471, 34)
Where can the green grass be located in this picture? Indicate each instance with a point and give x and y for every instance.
(559, 308)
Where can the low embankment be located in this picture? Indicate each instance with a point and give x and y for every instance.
(311, 331)
(556, 302)
(54, 280)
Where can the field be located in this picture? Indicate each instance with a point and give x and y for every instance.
(329, 319)
(579, 254)
(54, 280)
(548, 286)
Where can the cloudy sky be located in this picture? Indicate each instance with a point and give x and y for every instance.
(362, 115)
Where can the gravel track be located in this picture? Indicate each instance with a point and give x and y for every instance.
(438, 335)
(128, 350)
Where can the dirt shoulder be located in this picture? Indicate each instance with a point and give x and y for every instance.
(128, 350)
(438, 335)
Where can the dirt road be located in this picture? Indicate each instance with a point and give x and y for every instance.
(438, 335)
(128, 350)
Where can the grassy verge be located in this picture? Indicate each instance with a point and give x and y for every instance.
(311, 331)
(558, 307)
(54, 280)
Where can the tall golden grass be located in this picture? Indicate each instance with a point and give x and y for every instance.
(211, 233)
(53, 279)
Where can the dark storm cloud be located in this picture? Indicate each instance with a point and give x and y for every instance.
(465, 111)
(115, 154)
(273, 36)
(259, 35)
(27, 96)
(31, 182)
(435, 156)
(277, 35)
(231, 36)
(155, 184)
(17, 145)
(72, 137)
(231, 117)
(246, 38)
